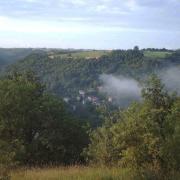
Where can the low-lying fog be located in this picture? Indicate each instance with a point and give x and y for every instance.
(124, 90)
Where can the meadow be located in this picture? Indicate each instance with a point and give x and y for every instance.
(156, 54)
(81, 54)
(72, 173)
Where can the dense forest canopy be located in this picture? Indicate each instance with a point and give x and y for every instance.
(35, 127)
(65, 107)
(144, 137)
(81, 77)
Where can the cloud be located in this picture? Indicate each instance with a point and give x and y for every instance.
(170, 77)
(155, 3)
(132, 5)
(79, 2)
(31, 1)
(64, 24)
(29, 26)
(123, 90)
(113, 17)
(100, 8)
(103, 9)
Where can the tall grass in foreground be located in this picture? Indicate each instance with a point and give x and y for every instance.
(72, 173)
(82, 173)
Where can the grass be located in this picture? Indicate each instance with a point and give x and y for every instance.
(72, 173)
(85, 173)
(90, 54)
(156, 54)
(83, 54)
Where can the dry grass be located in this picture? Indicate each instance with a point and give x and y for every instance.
(72, 173)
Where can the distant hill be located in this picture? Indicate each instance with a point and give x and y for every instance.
(74, 75)
(11, 55)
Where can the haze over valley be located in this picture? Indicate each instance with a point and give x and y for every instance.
(89, 89)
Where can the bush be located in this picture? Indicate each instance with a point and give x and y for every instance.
(145, 137)
(36, 126)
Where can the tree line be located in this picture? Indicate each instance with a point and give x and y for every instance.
(37, 129)
(65, 76)
(145, 137)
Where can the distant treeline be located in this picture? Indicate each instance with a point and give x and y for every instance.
(65, 75)
(39, 128)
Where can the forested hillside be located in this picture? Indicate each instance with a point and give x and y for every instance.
(78, 75)
(36, 129)
(67, 73)
(105, 108)
(10, 56)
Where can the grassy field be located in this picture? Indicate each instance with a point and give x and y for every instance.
(72, 173)
(98, 53)
(90, 54)
(82, 54)
(156, 54)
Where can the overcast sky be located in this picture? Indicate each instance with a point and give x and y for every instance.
(95, 24)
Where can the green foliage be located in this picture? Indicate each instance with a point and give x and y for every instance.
(65, 72)
(157, 54)
(91, 54)
(7, 153)
(35, 126)
(65, 76)
(145, 137)
(74, 173)
(11, 55)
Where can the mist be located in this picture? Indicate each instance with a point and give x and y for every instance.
(122, 90)
(171, 78)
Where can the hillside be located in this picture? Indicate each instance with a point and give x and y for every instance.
(76, 75)
(11, 55)
(73, 110)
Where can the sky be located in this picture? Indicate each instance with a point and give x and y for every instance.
(90, 24)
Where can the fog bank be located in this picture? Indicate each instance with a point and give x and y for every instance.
(171, 78)
(121, 89)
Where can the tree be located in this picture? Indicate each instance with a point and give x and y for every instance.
(145, 137)
(136, 48)
(35, 125)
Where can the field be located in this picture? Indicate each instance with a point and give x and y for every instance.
(72, 173)
(156, 54)
(81, 54)
(90, 54)
(82, 173)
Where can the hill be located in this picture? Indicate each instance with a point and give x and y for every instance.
(77, 76)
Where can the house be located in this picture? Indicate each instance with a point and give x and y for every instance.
(82, 93)
(89, 98)
(110, 99)
(66, 99)
(94, 99)
(51, 57)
